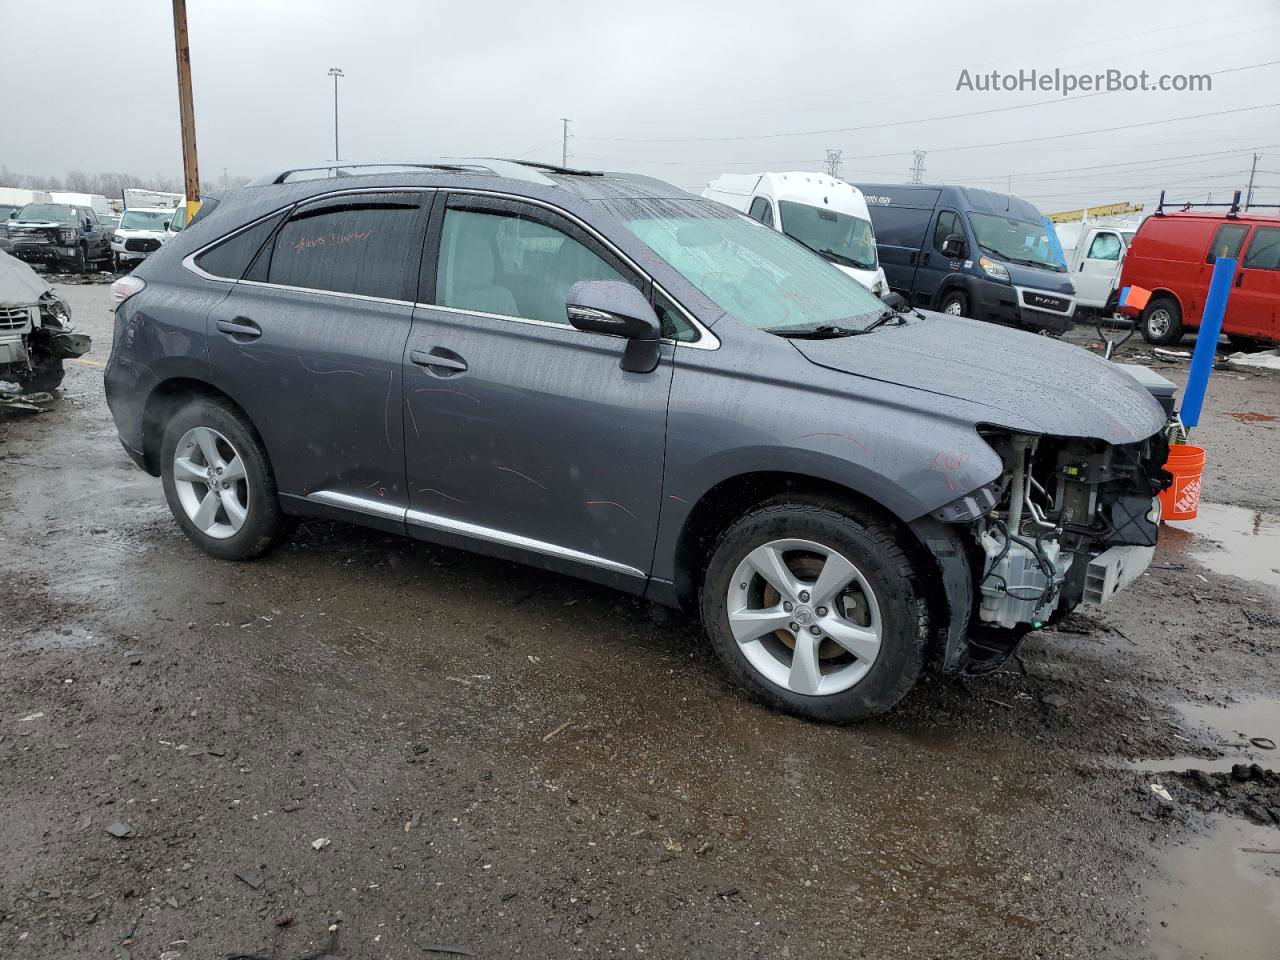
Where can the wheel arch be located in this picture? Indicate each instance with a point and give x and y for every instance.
(165, 398)
(723, 504)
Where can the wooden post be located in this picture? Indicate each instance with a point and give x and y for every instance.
(190, 168)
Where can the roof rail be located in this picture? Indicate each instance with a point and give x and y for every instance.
(1232, 211)
(498, 166)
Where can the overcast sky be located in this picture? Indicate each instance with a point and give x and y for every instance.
(681, 91)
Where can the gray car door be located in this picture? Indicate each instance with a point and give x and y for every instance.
(310, 343)
(524, 437)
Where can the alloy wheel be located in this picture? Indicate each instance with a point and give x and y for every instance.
(209, 476)
(804, 617)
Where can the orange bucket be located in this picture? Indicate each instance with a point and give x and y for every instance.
(1182, 500)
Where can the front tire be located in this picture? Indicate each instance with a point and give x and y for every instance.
(219, 482)
(81, 262)
(954, 304)
(814, 607)
(1161, 322)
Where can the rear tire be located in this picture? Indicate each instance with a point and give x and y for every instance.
(843, 675)
(244, 519)
(1161, 322)
(1248, 344)
(954, 304)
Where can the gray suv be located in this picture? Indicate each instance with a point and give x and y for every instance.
(605, 376)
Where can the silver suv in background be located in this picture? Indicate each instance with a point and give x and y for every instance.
(605, 376)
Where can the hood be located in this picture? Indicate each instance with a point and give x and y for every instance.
(39, 223)
(1036, 278)
(20, 286)
(135, 232)
(1065, 390)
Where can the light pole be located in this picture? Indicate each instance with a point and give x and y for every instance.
(335, 72)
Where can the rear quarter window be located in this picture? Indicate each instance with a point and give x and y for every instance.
(230, 258)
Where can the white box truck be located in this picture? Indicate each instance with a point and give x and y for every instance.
(827, 215)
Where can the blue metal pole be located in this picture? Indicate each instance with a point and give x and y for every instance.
(1215, 308)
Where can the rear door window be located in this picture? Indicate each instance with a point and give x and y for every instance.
(1264, 249)
(366, 245)
(1227, 241)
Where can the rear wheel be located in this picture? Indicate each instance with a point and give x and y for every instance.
(219, 482)
(1162, 321)
(1248, 344)
(954, 304)
(815, 609)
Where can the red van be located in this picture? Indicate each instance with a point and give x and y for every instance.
(1172, 255)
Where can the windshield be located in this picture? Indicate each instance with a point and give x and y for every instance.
(48, 211)
(1015, 241)
(846, 239)
(145, 219)
(753, 272)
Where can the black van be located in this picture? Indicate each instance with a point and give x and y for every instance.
(971, 253)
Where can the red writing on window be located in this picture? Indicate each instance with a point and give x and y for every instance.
(331, 239)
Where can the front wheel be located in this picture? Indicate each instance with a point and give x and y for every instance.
(815, 609)
(219, 482)
(45, 376)
(81, 263)
(954, 304)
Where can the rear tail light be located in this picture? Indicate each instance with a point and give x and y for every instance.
(126, 287)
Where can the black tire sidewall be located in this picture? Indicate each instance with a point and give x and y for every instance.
(264, 522)
(1175, 322)
(872, 547)
(956, 296)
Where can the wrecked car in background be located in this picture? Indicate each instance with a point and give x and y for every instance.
(36, 333)
(605, 376)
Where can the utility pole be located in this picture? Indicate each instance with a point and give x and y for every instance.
(833, 163)
(335, 72)
(564, 143)
(1248, 196)
(190, 168)
(917, 168)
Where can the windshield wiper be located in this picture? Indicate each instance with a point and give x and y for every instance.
(823, 331)
(841, 258)
(880, 321)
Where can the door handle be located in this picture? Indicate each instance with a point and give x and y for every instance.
(1240, 278)
(241, 329)
(438, 358)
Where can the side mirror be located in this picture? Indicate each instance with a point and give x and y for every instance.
(953, 246)
(894, 301)
(166, 224)
(87, 224)
(618, 308)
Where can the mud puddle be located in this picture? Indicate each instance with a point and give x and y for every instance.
(1248, 729)
(1219, 897)
(1231, 540)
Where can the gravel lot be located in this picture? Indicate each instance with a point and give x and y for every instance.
(498, 762)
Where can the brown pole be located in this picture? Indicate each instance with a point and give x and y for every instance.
(190, 169)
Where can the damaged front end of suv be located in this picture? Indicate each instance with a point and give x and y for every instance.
(1069, 521)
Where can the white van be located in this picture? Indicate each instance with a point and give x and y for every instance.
(1094, 253)
(827, 215)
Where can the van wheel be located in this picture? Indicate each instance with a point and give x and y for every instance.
(815, 608)
(218, 481)
(1162, 321)
(954, 304)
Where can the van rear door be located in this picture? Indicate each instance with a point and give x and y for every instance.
(1099, 267)
(1253, 309)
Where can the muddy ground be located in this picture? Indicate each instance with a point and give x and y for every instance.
(499, 762)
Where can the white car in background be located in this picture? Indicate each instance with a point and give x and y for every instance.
(142, 231)
(827, 215)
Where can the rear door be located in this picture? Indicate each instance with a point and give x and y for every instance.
(1253, 309)
(524, 436)
(310, 343)
(1099, 268)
